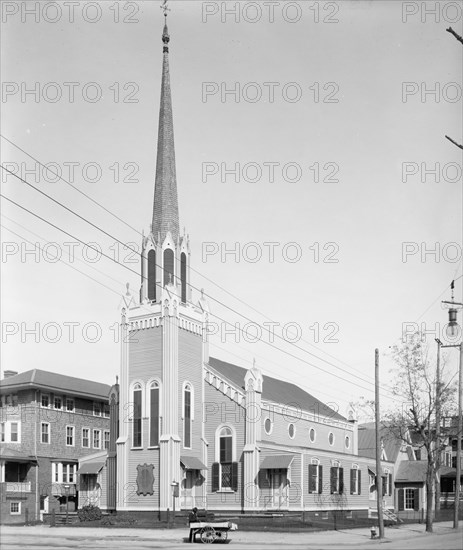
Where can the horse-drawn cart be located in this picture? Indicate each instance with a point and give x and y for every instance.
(210, 532)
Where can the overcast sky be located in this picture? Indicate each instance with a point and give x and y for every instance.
(339, 110)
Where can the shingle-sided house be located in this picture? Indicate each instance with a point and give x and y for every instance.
(197, 431)
(47, 422)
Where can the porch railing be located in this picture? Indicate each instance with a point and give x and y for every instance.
(18, 486)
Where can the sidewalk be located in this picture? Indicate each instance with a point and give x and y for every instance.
(258, 539)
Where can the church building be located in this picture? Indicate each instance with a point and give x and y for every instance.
(193, 430)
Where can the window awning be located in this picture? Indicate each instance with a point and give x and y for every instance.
(276, 462)
(59, 489)
(90, 468)
(192, 463)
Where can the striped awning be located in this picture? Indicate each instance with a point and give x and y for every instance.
(59, 489)
(192, 463)
(90, 468)
(276, 462)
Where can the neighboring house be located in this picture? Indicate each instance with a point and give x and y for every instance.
(92, 481)
(197, 431)
(450, 428)
(47, 422)
(393, 451)
(409, 466)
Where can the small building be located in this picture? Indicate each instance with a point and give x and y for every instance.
(47, 422)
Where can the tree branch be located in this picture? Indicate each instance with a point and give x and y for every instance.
(454, 142)
(457, 36)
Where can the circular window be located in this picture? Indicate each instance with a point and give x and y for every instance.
(347, 441)
(312, 435)
(331, 438)
(292, 430)
(268, 425)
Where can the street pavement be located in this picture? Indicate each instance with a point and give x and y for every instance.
(405, 537)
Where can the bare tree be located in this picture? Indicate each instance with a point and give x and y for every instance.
(362, 410)
(415, 386)
(460, 39)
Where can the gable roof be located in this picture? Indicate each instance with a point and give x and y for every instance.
(412, 471)
(367, 441)
(277, 391)
(51, 381)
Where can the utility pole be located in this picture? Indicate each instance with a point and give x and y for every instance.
(438, 422)
(379, 485)
(453, 330)
(459, 434)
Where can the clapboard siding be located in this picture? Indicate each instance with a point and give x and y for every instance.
(145, 353)
(220, 410)
(190, 368)
(280, 432)
(131, 499)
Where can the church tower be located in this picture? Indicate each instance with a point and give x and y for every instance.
(161, 447)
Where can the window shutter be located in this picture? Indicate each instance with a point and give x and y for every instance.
(341, 480)
(320, 479)
(390, 484)
(401, 493)
(215, 477)
(352, 481)
(384, 484)
(312, 474)
(332, 479)
(416, 499)
(234, 476)
(359, 473)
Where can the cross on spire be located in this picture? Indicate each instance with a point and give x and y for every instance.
(164, 7)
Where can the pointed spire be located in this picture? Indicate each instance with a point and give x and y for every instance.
(165, 208)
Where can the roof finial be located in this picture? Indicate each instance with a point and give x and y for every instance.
(165, 34)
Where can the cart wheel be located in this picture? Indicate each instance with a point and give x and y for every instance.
(222, 535)
(208, 535)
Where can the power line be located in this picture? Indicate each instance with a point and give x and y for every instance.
(70, 184)
(141, 256)
(214, 315)
(193, 269)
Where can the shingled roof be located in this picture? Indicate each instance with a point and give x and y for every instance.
(367, 441)
(413, 471)
(51, 381)
(277, 391)
(165, 208)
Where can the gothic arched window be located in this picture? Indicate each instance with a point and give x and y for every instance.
(168, 266)
(136, 424)
(152, 275)
(154, 414)
(187, 410)
(183, 275)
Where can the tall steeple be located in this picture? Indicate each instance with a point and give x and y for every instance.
(166, 253)
(165, 208)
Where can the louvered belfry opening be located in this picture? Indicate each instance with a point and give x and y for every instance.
(183, 276)
(152, 275)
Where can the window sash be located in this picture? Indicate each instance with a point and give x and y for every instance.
(154, 417)
(136, 418)
(70, 436)
(96, 439)
(187, 419)
(45, 433)
(226, 449)
(14, 432)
